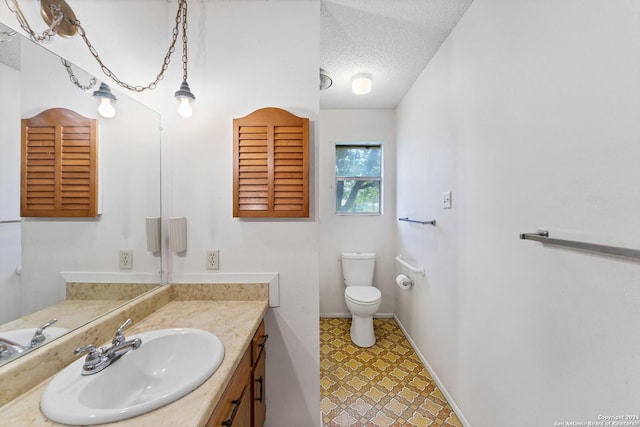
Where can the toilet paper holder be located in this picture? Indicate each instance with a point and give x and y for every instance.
(409, 281)
(404, 282)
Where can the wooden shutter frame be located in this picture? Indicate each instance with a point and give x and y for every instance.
(272, 118)
(63, 206)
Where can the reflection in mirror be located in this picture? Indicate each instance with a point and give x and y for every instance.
(69, 268)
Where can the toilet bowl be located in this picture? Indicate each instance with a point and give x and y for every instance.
(363, 302)
(362, 298)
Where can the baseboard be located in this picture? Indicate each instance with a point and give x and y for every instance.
(441, 386)
(348, 315)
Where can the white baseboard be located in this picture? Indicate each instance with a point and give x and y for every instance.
(441, 386)
(348, 315)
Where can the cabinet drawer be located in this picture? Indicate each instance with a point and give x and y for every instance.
(258, 342)
(235, 406)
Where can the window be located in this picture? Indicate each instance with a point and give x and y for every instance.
(358, 178)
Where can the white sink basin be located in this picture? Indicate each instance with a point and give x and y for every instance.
(23, 336)
(170, 364)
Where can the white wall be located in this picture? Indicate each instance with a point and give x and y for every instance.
(344, 233)
(529, 114)
(9, 194)
(248, 55)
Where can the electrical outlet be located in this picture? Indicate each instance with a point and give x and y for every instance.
(213, 259)
(126, 259)
(446, 200)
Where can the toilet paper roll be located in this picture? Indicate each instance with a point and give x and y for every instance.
(403, 281)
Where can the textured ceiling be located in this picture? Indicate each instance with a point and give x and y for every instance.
(393, 40)
(9, 48)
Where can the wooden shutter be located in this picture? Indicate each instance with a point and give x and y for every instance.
(59, 170)
(271, 165)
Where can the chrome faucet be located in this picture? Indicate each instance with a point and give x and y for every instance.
(39, 337)
(9, 349)
(99, 358)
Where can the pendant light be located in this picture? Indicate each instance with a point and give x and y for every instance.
(105, 109)
(184, 94)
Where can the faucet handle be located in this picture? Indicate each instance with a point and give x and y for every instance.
(119, 337)
(46, 325)
(91, 350)
(38, 336)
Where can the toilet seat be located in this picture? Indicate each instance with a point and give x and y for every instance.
(364, 295)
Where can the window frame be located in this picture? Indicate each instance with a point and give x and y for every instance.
(379, 178)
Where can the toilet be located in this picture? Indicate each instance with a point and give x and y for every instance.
(362, 298)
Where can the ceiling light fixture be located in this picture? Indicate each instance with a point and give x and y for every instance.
(361, 84)
(325, 80)
(105, 109)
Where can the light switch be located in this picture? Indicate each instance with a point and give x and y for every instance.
(446, 200)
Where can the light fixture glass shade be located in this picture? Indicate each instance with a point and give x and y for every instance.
(184, 108)
(185, 97)
(105, 109)
(361, 84)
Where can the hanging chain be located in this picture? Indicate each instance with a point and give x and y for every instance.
(185, 57)
(74, 79)
(181, 17)
(46, 34)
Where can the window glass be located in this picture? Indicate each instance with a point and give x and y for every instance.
(358, 178)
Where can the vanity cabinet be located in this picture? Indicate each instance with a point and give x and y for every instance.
(243, 403)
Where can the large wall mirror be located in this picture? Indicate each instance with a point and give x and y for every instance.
(40, 256)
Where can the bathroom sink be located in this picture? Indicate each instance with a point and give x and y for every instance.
(23, 336)
(169, 364)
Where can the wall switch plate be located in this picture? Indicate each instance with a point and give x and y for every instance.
(446, 200)
(126, 259)
(213, 259)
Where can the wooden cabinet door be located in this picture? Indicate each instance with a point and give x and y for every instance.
(234, 408)
(59, 165)
(258, 378)
(271, 165)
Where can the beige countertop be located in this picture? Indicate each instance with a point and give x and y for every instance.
(234, 322)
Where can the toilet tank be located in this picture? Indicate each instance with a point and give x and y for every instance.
(357, 268)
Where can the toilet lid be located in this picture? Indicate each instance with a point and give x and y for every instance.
(363, 294)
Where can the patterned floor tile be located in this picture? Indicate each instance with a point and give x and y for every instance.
(382, 386)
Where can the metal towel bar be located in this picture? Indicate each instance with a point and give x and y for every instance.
(432, 222)
(10, 221)
(543, 236)
(409, 266)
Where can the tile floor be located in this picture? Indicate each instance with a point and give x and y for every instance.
(382, 386)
